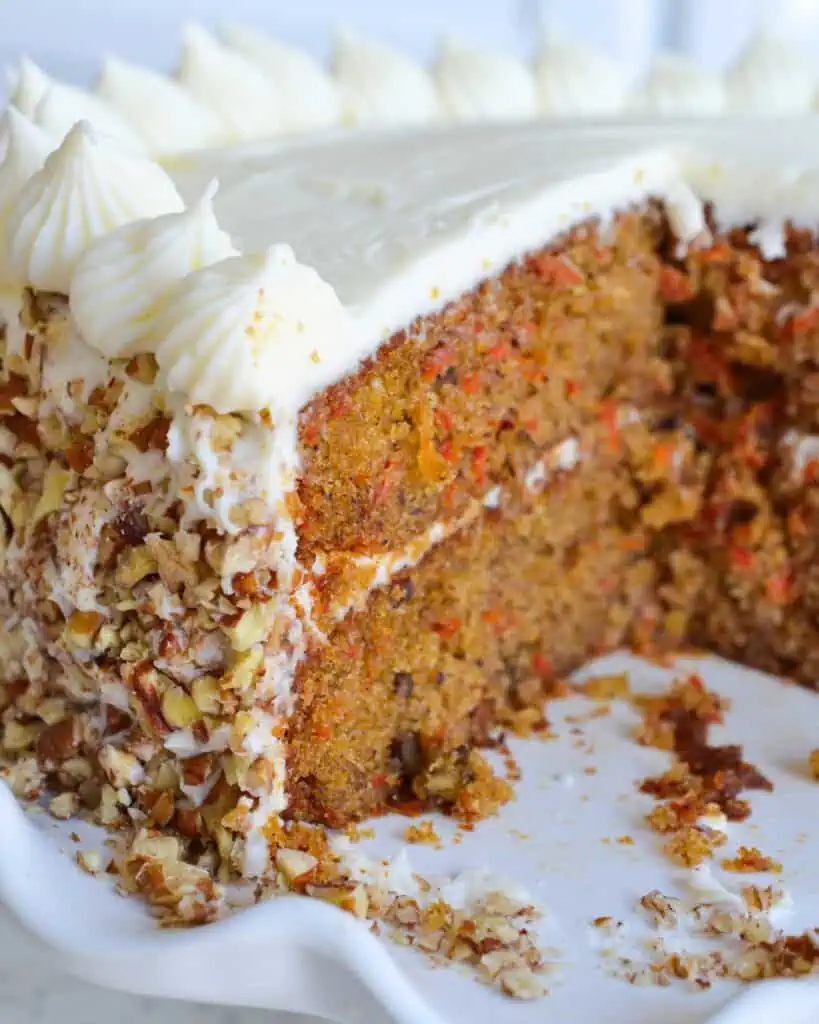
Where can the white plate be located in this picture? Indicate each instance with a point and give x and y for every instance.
(558, 839)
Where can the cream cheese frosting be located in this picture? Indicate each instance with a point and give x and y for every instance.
(167, 116)
(575, 81)
(239, 94)
(379, 85)
(675, 87)
(771, 76)
(86, 188)
(25, 147)
(28, 83)
(309, 97)
(252, 333)
(478, 85)
(57, 106)
(121, 281)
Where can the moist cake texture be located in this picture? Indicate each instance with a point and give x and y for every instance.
(291, 533)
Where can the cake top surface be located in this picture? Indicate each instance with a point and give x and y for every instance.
(399, 222)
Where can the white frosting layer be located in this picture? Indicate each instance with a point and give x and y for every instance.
(674, 87)
(120, 283)
(478, 85)
(237, 92)
(87, 187)
(574, 81)
(396, 241)
(166, 115)
(309, 96)
(252, 333)
(771, 76)
(380, 86)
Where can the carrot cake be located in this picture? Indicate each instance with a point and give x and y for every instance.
(313, 481)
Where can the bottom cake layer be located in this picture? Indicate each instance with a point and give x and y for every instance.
(475, 635)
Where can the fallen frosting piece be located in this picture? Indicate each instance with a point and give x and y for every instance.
(57, 106)
(167, 116)
(86, 188)
(674, 87)
(574, 81)
(770, 76)
(474, 85)
(25, 147)
(121, 281)
(379, 85)
(252, 333)
(239, 94)
(308, 95)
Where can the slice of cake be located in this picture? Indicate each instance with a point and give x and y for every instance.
(313, 482)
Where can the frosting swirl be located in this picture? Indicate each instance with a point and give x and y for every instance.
(674, 87)
(379, 85)
(252, 333)
(25, 147)
(770, 76)
(86, 188)
(57, 106)
(123, 278)
(167, 116)
(239, 94)
(309, 97)
(28, 83)
(574, 81)
(474, 85)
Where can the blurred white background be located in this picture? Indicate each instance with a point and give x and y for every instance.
(68, 36)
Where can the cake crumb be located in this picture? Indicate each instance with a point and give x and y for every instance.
(357, 833)
(814, 763)
(692, 845)
(749, 859)
(609, 687)
(90, 861)
(422, 833)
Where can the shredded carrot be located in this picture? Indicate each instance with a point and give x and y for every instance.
(322, 731)
(674, 286)
(741, 557)
(445, 420)
(448, 628)
(663, 453)
(542, 666)
(717, 253)
(558, 270)
(479, 460)
(608, 416)
(448, 450)
(471, 383)
(437, 362)
(778, 588)
(802, 323)
(500, 350)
